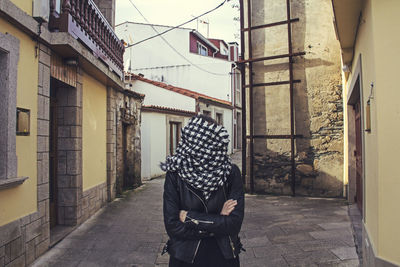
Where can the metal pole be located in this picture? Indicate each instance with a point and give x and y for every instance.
(243, 91)
(251, 148)
(291, 99)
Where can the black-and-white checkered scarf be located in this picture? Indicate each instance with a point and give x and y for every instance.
(201, 158)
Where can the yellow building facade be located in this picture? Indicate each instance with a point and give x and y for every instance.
(61, 101)
(367, 34)
(26, 97)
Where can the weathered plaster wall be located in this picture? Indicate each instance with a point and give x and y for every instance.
(123, 110)
(317, 100)
(128, 166)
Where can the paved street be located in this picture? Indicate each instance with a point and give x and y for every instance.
(277, 231)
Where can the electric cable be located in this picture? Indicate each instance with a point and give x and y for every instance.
(173, 48)
(172, 28)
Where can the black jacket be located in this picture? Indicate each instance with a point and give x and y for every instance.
(203, 218)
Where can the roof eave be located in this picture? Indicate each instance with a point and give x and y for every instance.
(346, 21)
(204, 39)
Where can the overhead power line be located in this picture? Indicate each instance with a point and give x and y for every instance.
(170, 29)
(171, 46)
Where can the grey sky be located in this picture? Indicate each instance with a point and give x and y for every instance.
(174, 12)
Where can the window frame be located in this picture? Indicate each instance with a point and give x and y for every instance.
(9, 56)
(178, 126)
(201, 46)
(219, 118)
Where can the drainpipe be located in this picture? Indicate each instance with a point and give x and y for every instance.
(233, 94)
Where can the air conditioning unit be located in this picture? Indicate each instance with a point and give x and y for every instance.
(41, 10)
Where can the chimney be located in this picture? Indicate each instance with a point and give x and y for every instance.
(233, 51)
(107, 7)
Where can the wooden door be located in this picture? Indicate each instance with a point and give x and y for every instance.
(125, 183)
(358, 155)
(53, 161)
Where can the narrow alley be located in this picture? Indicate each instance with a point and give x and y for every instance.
(277, 231)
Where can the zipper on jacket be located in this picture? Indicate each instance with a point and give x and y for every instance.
(205, 206)
(195, 252)
(230, 239)
(232, 246)
(199, 221)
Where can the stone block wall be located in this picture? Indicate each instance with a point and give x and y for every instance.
(126, 110)
(318, 110)
(24, 240)
(111, 143)
(92, 200)
(107, 7)
(69, 149)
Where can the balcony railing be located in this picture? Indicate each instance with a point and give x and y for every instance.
(83, 20)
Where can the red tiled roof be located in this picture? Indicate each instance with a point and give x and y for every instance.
(168, 110)
(178, 90)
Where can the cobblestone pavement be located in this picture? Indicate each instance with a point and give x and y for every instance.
(277, 231)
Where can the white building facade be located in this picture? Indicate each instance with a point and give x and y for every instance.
(181, 57)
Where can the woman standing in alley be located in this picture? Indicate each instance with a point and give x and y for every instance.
(203, 198)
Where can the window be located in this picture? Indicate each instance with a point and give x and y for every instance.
(207, 113)
(9, 55)
(58, 6)
(174, 135)
(238, 91)
(219, 118)
(201, 49)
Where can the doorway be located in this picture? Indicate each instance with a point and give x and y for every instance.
(355, 144)
(53, 156)
(358, 157)
(238, 130)
(126, 181)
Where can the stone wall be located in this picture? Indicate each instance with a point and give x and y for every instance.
(69, 149)
(111, 143)
(123, 112)
(92, 200)
(318, 111)
(107, 7)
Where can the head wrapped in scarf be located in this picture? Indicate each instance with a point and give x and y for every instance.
(201, 158)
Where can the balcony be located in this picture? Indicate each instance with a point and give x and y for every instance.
(85, 22)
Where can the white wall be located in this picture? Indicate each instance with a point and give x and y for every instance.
(153, 141)
(145, 145)
(158, 96)
(157, 61)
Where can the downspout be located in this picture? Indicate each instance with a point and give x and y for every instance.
(233, 94)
